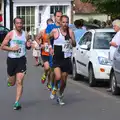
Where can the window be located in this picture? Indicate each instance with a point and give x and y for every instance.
(102, 40)
(28, 15)
(86, 39)
(56, 8)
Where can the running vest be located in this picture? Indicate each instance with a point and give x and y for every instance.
(44, 38)
(62, 47)
(21, 42)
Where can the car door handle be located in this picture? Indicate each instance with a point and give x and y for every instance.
(77, 48)
(81, 51)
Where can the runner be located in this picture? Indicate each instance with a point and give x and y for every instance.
(63, 42)
(15, 43)
(44, 43)
(49, 28)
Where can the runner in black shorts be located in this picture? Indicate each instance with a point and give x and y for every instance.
(43, 40)
(63, 43)
(16, 43)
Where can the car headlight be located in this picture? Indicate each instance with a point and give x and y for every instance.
(104, 61)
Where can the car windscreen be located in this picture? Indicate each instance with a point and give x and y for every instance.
(102, 39)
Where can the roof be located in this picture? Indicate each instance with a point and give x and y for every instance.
(81, 7)
(103, 30)
(37, 1)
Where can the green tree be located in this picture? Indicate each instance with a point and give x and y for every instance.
(110, 7)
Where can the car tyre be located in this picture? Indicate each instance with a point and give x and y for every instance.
(92, 81)
(114, 88)
(74, 72)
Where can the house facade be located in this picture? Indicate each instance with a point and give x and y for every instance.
(36, 12)
(87, 12)
(1, 12)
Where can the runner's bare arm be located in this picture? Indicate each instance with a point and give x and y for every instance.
(73, 42)
(4, 45)
(50, 36)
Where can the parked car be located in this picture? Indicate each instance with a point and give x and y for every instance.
(87, 26)
(115, 73)
(90, 56)
(3, 33)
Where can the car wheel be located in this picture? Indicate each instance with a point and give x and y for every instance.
(92, 81)
(114, 87)
(74, 72)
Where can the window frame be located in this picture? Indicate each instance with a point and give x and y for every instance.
(25, 16)
(81, 42)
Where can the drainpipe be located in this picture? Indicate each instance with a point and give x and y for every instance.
(72, 2)
(11, 14)
(5, 2)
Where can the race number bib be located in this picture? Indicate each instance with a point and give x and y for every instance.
(21, 50)
(46, 47)
(67, 47)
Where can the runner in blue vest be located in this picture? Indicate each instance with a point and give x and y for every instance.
(49, 28)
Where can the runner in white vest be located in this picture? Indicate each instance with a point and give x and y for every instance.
(16, 43)
(63, 42)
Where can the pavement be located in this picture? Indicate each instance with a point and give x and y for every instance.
(82, 102)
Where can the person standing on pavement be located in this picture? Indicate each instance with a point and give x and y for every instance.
(16, 44)
(36, 52)
(115, 41)
(79, 31)
(62, 50)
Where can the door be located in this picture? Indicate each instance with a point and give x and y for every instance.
(116, 64)
(80, 54)
(86, 54)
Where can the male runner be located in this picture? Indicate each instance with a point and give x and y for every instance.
(63, 42)
(15, 43)
(43, 41)
(49, 28)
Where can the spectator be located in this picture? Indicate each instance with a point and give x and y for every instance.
(103, 24)
(108, 23)
(79, 31)
(115, 41)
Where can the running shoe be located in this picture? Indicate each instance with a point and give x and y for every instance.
(60, 101)
(43, 78)
(9, 84)
(49, 87)
(17, 106)
(53, 93)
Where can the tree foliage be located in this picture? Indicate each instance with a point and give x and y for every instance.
(110, 7)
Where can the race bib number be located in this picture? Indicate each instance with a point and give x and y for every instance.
(46, 47)
(21, 50)
(67, 47)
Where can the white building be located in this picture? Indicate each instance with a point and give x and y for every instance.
(1, 11)
(36, 12)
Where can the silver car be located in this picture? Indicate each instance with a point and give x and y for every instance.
(115, 73)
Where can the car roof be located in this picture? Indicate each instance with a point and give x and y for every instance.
(102, 30)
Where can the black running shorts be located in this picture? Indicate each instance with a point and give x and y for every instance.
(16, 65)
(45, 58)
(65, 65)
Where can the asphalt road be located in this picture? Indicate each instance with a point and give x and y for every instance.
(82, 102)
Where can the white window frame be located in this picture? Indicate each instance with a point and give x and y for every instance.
(30, 15)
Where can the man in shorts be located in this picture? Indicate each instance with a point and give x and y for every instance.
(63, 42)
(43, 41)
(16, 43)
(49, 28)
